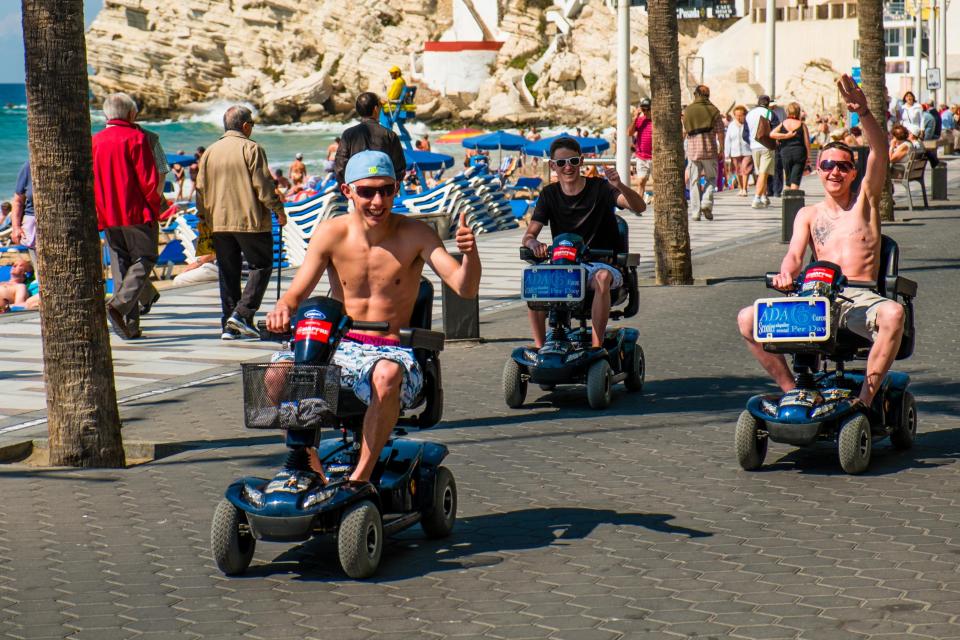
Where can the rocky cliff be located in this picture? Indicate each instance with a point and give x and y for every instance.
(308, 59)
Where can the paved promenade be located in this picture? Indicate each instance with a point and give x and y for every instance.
(631, 523)
(182, 333)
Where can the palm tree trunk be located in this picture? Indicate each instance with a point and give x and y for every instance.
(873, 66)
(82, 413)
(671, 237)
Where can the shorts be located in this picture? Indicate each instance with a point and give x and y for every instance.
(594, 267)
(357, 360)
(643, 167)
(742, 164)
(764, 161)
(860, 315)
(28, 224)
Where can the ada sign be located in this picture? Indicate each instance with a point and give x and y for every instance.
(933, 79)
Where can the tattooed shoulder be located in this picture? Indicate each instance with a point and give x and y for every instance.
(821, 230)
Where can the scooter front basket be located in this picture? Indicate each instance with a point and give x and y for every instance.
(286, 395)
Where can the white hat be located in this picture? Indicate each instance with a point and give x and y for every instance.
(299, 156)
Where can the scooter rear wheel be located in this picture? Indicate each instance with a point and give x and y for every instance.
(232, 546)
(439, 521)
(360, 540)
(637, 372)
(902, 437)
(751, 446)
(599, 391)
(514, 386)
(855, 444)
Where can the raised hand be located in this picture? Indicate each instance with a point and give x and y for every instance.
(852, 94)
(466, 241)
(612, 175)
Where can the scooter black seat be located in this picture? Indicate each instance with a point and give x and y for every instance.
(628, 293)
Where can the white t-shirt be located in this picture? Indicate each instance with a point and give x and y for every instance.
(734, 145)
(753, 120)
(911, 114)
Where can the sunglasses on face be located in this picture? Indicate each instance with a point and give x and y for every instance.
(368, 193)
(845, 166)
(574, 162)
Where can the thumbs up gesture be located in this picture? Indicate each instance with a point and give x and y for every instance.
(466, 241)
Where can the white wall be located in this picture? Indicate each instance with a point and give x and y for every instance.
(465, 27)
(457, 71)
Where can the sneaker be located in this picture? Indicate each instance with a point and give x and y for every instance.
(230, 334)
(145, 308)
(757, 203)
(242, 326)
(118, 322)
(766, 201)
(707, 213)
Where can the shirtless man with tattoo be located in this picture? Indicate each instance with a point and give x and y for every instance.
(845, 229)
(374, 259)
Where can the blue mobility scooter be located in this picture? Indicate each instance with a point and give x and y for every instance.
(408, 485)
(558, 285)
(823, 407)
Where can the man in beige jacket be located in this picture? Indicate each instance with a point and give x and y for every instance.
(235, 195)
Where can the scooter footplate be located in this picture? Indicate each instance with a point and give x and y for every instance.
(290, 529)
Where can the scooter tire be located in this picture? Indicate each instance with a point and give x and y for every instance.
(232, 548)
(438, 522)
(854, 444)
(637, 372)
(751, 446)
(514, 386)
(360, 540)
(599, 389)
(902, 437)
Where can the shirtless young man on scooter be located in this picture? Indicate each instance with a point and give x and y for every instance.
(374, 259)
(845, 229)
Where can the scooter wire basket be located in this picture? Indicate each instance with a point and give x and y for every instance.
(285, 395)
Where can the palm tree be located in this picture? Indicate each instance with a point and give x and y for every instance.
(873, 69)
(671, 237)
(82, 413)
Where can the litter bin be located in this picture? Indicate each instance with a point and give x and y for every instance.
(793, 201)
(938, 181)
(461, 316)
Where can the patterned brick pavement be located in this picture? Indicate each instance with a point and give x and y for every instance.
(635, 522)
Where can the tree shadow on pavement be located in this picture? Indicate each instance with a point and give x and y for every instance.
(477, 541)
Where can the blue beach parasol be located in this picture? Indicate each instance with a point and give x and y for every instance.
(496, 140)
(587, 145)
(183, 160)
(427, 160)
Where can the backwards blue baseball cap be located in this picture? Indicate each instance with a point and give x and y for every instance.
(369, 164)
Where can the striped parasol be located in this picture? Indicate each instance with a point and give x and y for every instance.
(458, 135)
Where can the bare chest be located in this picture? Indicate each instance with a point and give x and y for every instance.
(370, 271)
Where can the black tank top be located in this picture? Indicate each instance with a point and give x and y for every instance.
(794, 142)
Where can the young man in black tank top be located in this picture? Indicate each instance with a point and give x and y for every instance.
(575, 204)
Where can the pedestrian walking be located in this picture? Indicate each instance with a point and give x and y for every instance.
(127, 185)
(759, 122)
(23, 220)
(641, 131)
(705, 132)
(369, 134)
(235, 195)
(794, 142)
(738, 149)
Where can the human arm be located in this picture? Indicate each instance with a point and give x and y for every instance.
(898, 152)
(793, 260)
(16, 217)
(529, 239)
(262, 180)
(147, 175)
(806, 142)
(627, 198)
(315, 262)
(876, 174)
(461, 276)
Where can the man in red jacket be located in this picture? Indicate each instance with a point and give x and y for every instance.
(126, 186)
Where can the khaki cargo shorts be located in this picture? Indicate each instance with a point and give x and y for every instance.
(860, 315)
(764, 161)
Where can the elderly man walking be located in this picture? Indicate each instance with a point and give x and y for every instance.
(705, 131)
(126, 187)
(235, 195)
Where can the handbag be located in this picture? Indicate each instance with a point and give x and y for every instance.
(763, 133)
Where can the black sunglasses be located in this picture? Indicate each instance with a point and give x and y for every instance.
(845, 166)
(574, 162)
(368, 193)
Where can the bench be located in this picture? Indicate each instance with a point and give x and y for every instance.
(913, 173)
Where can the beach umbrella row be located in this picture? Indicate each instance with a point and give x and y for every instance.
(587, 145)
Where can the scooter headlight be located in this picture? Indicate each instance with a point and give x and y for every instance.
(253, 496)
(317, 497)
(823, 409)
(770, 408)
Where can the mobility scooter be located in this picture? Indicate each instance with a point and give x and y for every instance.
(558, 285)
(303, 398)
(824, 406)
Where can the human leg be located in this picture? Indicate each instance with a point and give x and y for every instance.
(694, 171)
(888, 321)
(381, 416)
(257, 249)
(538, 326)
(774, 364)
(230, 264)
(600, 310)
(141, 243)
(706, 200)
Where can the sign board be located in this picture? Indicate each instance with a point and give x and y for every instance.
(933, 79)
(699, 9)
(855, 74)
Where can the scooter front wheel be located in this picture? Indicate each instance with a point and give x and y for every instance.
(599, 392)
(751, 445)
(855, 444)
(231, 542)
(439, 520)
(360, 540)
(514, 386)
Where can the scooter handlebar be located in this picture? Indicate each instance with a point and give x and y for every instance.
(360, 325)
(528, 255)
(270, 336)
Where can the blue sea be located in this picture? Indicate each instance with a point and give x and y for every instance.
(282, 142)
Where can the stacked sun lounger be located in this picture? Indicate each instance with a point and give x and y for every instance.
(304, 216)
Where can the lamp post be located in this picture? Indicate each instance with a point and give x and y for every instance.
(623, 89)
(943, 51)
(917, 49)
(771, 33)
